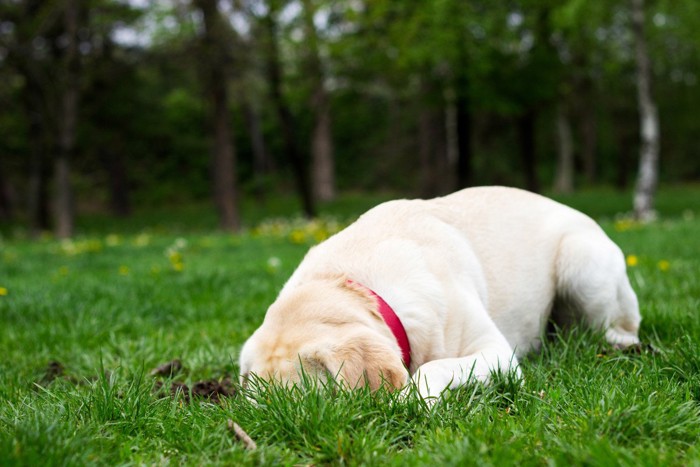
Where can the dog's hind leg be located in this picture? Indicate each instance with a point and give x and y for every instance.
(592, 278)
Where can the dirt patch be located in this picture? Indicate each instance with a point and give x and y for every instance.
(54, 371)
(212, 390)
(168, 370)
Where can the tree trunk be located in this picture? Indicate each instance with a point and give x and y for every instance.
(38, 195)
(5, 198)
(464, 140)
(112, 152)
(624, 142)
(526, 133)
(647, 178)
(64, 213)
(322, 158)
(451, 134)
(213, 62)
(322, 149)
(64, 208)
(38, 104)
(464, 128)
(274, 75)
(564, 178)
(589, 132)
(39, 212)
(224, 161)
(589, 140)
(263, 164)
(393, 145)
(425, 154)
(120, 202)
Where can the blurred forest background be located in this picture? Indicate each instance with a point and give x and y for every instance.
(111, 105)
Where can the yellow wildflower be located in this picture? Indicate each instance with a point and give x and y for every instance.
(632, 261)
(297, 236)
(113, 240)
(664, 265)
(123, 270)
(175, 256)
(179, 266)
(623, 224)
(68, 247)
(320, 235)
(143, 239)
(3, 291)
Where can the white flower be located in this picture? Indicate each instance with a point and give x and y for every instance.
(274, 262)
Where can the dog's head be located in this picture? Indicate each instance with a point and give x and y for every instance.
(325, 329)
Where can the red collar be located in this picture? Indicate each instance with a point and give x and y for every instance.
(395, 326)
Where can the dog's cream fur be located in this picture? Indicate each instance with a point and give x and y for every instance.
(473, 276)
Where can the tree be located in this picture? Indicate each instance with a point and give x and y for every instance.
(284, 114)
(110, 101)
(67, 122)
(44, 51)
(5, 204)
(214, 61)
(34, 23)
(322, 157)
(648, 176)
(109, 79)
(564, 177)
(434, 95)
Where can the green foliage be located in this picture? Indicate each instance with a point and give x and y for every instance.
(385, 63)
(112, 305)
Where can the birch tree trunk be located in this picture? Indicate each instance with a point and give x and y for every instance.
(564, 178)
(647, 178)
(68, 115)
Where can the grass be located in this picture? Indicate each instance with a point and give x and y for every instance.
(124, 298)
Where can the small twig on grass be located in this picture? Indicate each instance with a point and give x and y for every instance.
(241, 435)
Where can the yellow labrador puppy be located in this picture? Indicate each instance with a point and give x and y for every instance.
(443, 290)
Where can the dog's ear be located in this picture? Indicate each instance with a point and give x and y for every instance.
(363, 293)
(363, 361)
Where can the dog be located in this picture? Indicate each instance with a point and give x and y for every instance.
(443, 291)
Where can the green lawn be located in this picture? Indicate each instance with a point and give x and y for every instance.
(128, 296)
